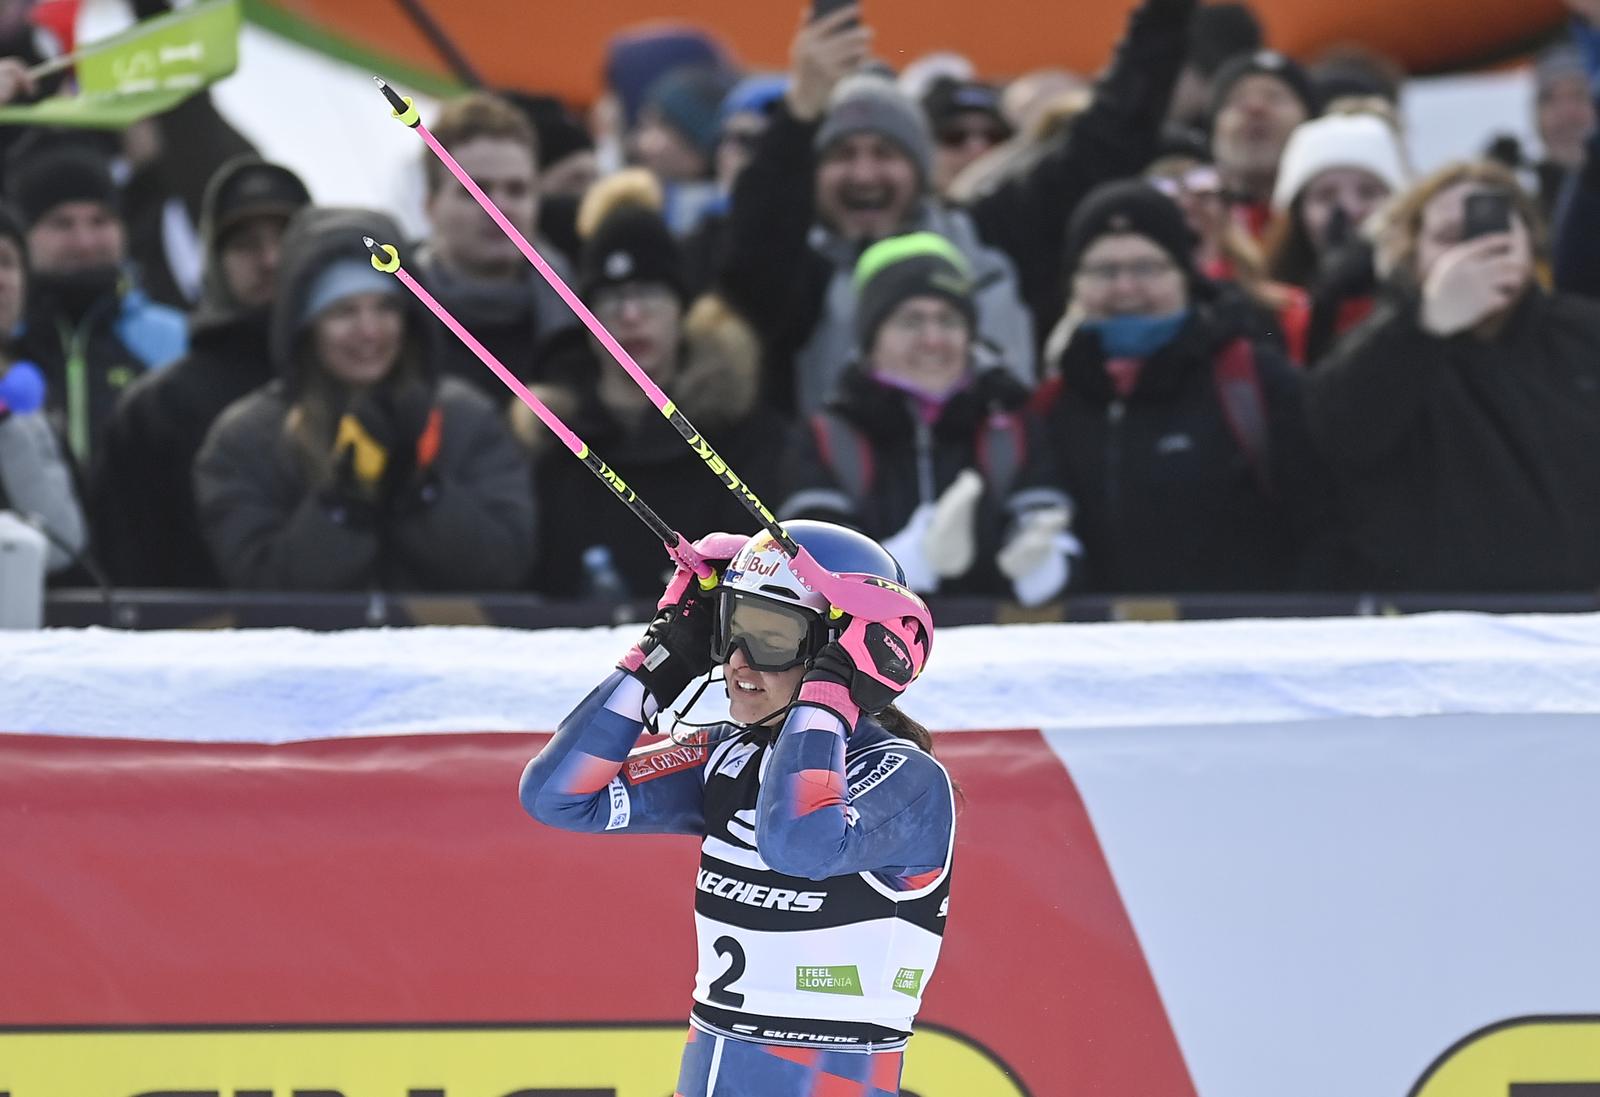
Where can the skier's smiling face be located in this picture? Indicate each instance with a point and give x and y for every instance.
(866, 187)
(758, 695)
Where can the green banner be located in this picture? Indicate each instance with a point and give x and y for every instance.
(844, 979)
(148, 68)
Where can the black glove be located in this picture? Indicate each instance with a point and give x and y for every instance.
(402, 421)
(676, 646)
(866, 668)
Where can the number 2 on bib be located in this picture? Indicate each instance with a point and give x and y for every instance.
(720, 994)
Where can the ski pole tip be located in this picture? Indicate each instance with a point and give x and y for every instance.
(385, 257)
(401, 105)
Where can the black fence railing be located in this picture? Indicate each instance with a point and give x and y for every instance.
(152, 609)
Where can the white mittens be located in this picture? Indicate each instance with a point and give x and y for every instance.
(941, 539)
(1038, 558)
(907, 547)
(951, 543)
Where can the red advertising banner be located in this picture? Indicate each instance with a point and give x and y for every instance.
(377, 916)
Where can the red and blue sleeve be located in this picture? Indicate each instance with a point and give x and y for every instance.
(808, 824)
(589, 778)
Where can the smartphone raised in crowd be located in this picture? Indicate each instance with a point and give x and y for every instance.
(821, 9)
(1486, 212)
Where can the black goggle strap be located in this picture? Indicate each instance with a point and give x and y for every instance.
(734, 730)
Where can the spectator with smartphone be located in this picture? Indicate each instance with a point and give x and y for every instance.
(1462, 421)
(847, 161)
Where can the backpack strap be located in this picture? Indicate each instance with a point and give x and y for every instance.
(1045, 395)
(1244, 406)
(845, 453)
(1002, 446)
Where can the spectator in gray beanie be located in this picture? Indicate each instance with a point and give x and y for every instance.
(848, 160)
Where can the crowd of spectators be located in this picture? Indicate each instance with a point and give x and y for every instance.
(1193, 323)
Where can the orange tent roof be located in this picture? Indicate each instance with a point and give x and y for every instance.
(559, 48)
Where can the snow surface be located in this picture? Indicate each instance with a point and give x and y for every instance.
(283, 684)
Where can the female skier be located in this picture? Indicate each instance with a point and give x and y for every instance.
(826, 825)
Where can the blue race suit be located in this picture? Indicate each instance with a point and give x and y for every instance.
(818, 845)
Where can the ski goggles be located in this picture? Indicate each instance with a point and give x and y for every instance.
(774, 636)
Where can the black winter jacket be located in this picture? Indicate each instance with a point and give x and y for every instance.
(1468, 464)
(146, 531)
(467, 524)
(1167, 498)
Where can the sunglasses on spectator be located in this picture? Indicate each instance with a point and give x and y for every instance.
(954, 137)
(1201, 182)
(1140, 270)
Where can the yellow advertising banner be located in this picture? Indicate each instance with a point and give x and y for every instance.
(622, 1060)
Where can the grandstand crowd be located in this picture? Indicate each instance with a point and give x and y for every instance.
(1192, 323)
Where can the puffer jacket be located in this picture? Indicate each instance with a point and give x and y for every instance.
(1169, 499)
(467, 525)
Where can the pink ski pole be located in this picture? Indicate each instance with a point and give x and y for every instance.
(874, 600)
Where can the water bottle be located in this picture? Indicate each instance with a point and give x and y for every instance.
(601, 579)
(23, 550)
